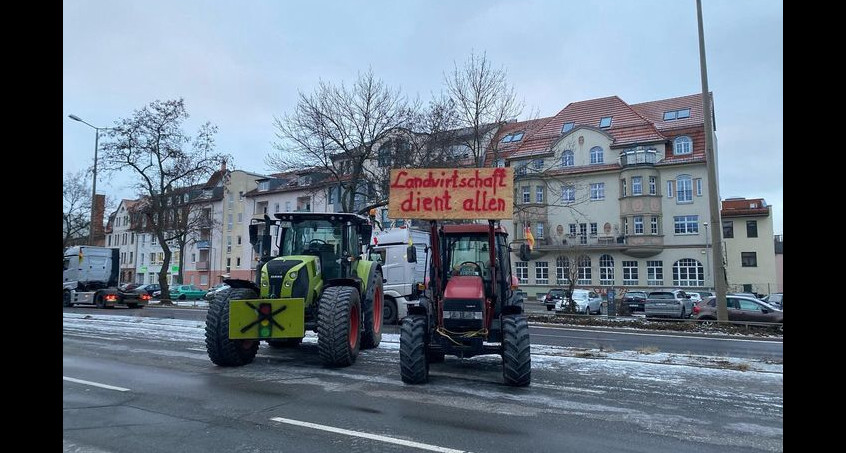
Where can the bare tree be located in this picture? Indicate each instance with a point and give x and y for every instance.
(483, 99)
(167, 163)
(76, 207)
(339, 129)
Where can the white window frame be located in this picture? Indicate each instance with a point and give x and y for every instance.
(655, 273)
(597, 191)
(541, 273)
(638, 224)
(637, 185)
(682, 145)
(684, 189)
(630, 276)
(521, 268)
(597, 155)
(606, 270)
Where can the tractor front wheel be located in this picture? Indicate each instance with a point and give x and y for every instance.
(414, 366)
(516, 352)
(223, 351)
(339, 326)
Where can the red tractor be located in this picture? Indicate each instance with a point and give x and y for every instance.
(469, 305)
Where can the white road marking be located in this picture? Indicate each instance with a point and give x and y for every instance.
(95, 384)
(386, 439)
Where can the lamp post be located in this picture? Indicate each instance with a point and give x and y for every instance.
(707, 250)
(94, 188)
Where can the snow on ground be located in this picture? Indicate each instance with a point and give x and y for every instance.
(543, 356)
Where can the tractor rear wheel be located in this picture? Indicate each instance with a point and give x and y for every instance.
(285, 343)
(66, 299)
(516, 352)
(372, 305)
(339, 326)
(414, 366)
(223, 351)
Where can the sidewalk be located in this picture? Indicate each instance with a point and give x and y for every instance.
(181, 303)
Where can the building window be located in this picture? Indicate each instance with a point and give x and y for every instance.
(568, 194)
(124, 238)
(228, 264)
(630, 273)
(567, 158)
(747, 259)
(228, 244)
(637, 185)
(287, 206)
(539, 194)
(625, 225)
(142, 257)
(596, 155)
(676, 114)
(567, 127)
(684, 189)
(728, 229)
(638, 224)
(109, 239)
(193, 257)
(751, 228)
(131, 257)
(562, 270)
(682, 145)
(537, 164)
(653, 225)
(542, 273)
(597, 191)
(606, 270)
(584, 271)
(539, 230)
(515, 137)
(670, 189)
(698, 187)
(231, 202)
(238, 262)
(384, 156)
(331, 195)
(522, 269)
(605, 121)
(239, 240)
(655, 273)
(500, 163)
(229, 222)
(132, 238)
(573, 229)
(688, 272)
(204, 279)
(240, 217)
(520, 170)
(594, 228)
(653, 186)
(276, 207)
(623, 188)
(527, 195)
(686, 224)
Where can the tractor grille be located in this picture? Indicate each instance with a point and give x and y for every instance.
(276, 270)
(462, 315)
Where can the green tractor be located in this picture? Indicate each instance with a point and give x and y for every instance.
(319, 282)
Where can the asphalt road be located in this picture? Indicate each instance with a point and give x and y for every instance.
(145, 384)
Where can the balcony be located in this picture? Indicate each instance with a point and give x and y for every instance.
(202, 265)
(203, 245)
(638, 157)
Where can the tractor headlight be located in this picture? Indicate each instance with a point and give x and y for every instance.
(292, 275)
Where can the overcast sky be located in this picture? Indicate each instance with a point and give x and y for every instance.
(239, 64)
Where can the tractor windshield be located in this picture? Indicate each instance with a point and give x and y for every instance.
(320, 238)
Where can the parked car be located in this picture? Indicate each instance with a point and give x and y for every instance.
(703, 294)
(184, 292)
(587, 302)
(129, 286)
(634, 300)
(776, 300)
(214, 290)
(739, 308)
(150, 288)
(673, 303)
(552, 296)
(694, 297)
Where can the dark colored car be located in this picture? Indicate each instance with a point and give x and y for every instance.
(634, 300)
(129, 286)
(740, 308)
(149, 288)
(553, 295)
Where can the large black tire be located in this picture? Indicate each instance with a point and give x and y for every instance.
(516, 351)
(389, 311)
(414, 366)
(66, 299)
(284, 343)
(223, 351)
(372, 306)
(99, 300)
(339, 326)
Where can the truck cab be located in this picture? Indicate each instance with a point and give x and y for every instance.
(390, 248)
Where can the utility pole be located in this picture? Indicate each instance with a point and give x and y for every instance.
(713, 188)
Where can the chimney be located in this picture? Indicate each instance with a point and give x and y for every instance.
(98, 211)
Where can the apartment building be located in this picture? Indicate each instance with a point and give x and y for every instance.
(614, 194)
(750, 256)
(120, 234)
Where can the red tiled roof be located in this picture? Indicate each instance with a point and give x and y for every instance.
(505, 150)
(742, 207)
(627, 125)
(654, 111)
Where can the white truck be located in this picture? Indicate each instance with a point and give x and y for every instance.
(390, 248)
(90, 276)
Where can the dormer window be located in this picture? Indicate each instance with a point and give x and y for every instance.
(676, 114)
(682, 145)
(515, 137)
(567, 127)
(605, 121)
(263, 186)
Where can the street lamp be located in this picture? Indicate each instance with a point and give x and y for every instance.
(707, 249)
(94, 189)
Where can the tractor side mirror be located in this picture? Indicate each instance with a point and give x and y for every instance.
(365, 232)
(525, 253)
(411, 254)
(254, 241)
